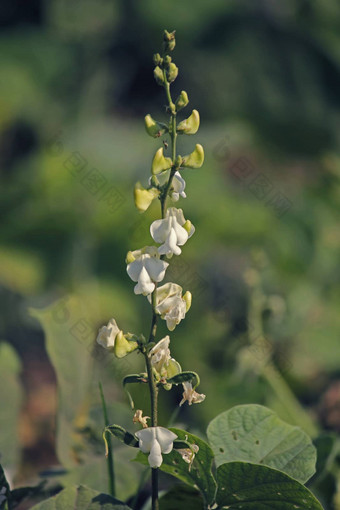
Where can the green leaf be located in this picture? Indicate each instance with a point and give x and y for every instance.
(182, 497)
(200, 475)
(81, 498)
(253, 433)
(10, 403)
(5, 495)
(121, 434)
(254, 487)
(184, 377)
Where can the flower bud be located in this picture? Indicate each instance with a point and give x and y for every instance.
(157, 59)
(154, 128)
(169, 40)
(173, 368)
(129, 257)
(122, 346)
(167, 60)
(195, 159)
(171, 72)
(160, 163)
(158, 75)
(188, 299)
(143, 197)
(182, 100)
(190, 125)
(178, 161)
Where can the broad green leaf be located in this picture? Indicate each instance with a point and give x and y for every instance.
(243, 486)
(81, 498)
(253, 433)
(10, 403)
(5, 495)
(182, 497)
(200, 475)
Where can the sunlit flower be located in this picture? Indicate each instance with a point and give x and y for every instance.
(107, 334)
(173, 231)
(145, 268)
(190, 395)
(170, 304)
(139, 418)
(155, 440)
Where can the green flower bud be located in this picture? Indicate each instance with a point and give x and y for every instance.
(129, 257)
(157, 59)
(122, 346)
(171, 72)
(178, 161)
(195, 159)
(158, 75)
(154, 181)
(190, 125)
(182, 100)
(143, 197)
(160, 163)
(169, 40)
(167, 60)
(154, 128)
(173, 368)
(188, 299)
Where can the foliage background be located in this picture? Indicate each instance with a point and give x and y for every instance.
(77, 79)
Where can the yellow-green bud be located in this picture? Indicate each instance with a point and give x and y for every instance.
(122, 346)
(157, 59)
(129, 257)
(178, 161)
(182, 100)
(171, 72)
(160, 162)
(158, 75)
(188, 299)
(169, 40)
(143, 197)
(173, 368)
(167, 60)
(187, 226)
(195, 159)
(154, 128)
(190, 125)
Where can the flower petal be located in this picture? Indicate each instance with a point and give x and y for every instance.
(156, 268)
(134, 268)
(144, 286)
(155, 458)
(165, 438)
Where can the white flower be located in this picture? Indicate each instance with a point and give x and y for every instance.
(145, 268)
(170, 304)
(190, 395)
(139, 418)
(155, 440)
(160, 354)
(178, 187)
(107, 334)
(171, 233)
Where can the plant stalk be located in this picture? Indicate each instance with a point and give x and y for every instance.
(110, 465)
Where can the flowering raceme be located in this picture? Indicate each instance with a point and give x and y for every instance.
(173, 231)
(145, 268)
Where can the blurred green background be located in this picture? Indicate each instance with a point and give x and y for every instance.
(76, 82)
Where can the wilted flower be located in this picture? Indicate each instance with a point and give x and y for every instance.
(170, 304)
(155, 440)
(139, 418)
(188, 454)
(173, 232)
(145, 268)
(190, 395)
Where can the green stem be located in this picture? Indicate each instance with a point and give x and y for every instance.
(110, 465)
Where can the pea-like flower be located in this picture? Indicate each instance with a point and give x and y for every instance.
(190, 395)
(155, 441)
(188, 454)
(107, 334)
(161, 359)
(170, 304)
(173, 231)
(139, 418)
(177, 186)
(145, 268)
